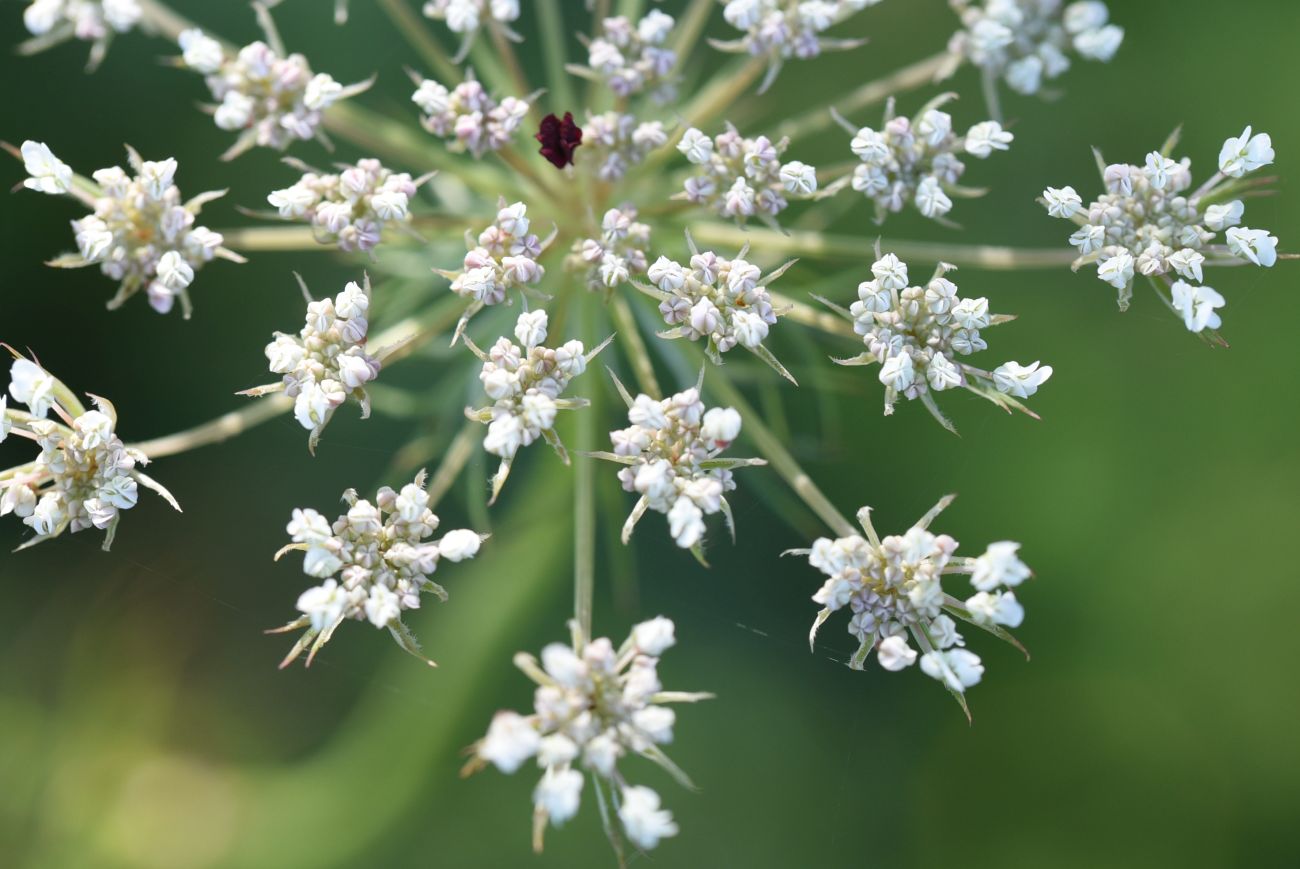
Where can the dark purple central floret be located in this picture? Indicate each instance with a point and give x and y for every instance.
(559, 138)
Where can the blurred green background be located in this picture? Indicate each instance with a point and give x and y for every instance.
(143, 722)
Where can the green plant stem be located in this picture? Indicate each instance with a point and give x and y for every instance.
(584, 503)
(415, 30)
(553, 50)
(629, 337)
(453, 461)
(771, 448)
(819, 244)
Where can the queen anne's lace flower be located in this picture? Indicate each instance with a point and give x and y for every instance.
(917, 335)
(618, 256)
(525, 383)
(327, 361)
(1148, 224)
(350, 209)
(1027, 43)
(671, 454)
(271, 98)
(619, 142)
(894, 588)
(594, 705)
(743, 178)
(917, 162)
(95, 21)
(781, 29)
(505, 258)
(84, 476)
(466, 17)
(722, 301)
(632, 58)
(375, 561)
(140, 232)
(468, 115)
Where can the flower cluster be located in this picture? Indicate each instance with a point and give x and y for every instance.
(670, 454)
(272, 98)
(917, 162)
(350, 209)
(327, 361)
(594, 705)
(1147, 223)
(94, 21)
(619, 254)
(630, 59)
(1026, 42)
(140, 232)
(781, 29)
(620, 142)
(467, 16)
(525, 384)
(469, 115)
(743, 177)
(375, 561)
(504, 258)
(84, 476)
(917, 334)
(895, 588)
(723, 301)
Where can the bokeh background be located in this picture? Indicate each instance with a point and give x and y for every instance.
(143, 723)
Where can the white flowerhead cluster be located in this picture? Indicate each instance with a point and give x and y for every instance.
(1149, 222)
(468, 115)
(94, 21)
(671, 458)
(467, 16)
(270, 98)
(352, 208)
(618, 256)
(620, 142)
(631, 58)
(375, 561)
(918, 161)
(594, 705)
(894, 588)
(504, 258)
(140, 232)
(723, 302)
(84, 476)
(781, 29)
(1028, 42)
(525, 383)
(917, 335)
(743, 178)
(327, 361)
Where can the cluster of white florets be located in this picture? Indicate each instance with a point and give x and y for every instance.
(620, 142)
(1027, 42)
(468, 115)
(917, 162)
(271, 100)
(327, 361)
(504, 258)
(525, 384)
(918, 334)
(87, 20)
(352, 208)
(668, 452)
(375, 561)
(781, 29)
(895, 589)
(467, 16)
(1147, 223)
(630, 58)
(140, 233)
(723, 301)
(84, 476)
(743, 177)
(595, 704)
(618, 255)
